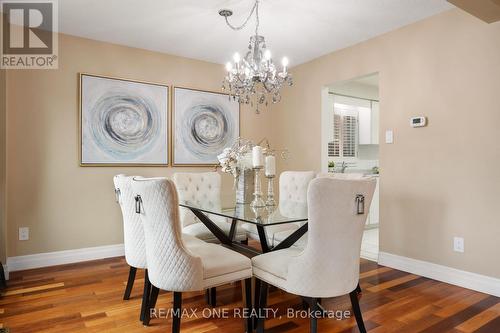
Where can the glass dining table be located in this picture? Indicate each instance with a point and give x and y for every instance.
(261, 218)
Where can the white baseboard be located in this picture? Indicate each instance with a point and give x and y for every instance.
(63, 257)
(473, 281)
(369, 255)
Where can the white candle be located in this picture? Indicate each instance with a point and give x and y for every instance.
(270, 166)
(257, 157)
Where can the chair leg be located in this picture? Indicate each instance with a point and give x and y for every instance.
(213, 297)
(262, 304)
(153, 297)
(176, 320)
(314, 319)
(244, 242)
(248, 304)
(357, 311)
(145, 295)
(358, 289)
(256, 299)
(130, 283)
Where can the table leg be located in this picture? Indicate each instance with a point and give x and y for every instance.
(214, 228)
(263, 239)
(292, 239)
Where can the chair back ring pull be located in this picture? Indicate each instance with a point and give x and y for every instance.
(360, 204)
(138, 203)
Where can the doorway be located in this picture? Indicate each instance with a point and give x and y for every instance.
(350, 141)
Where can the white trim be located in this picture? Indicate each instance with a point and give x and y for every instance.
(64, 257)
(477, 282)
(6, 271)
(369, 255)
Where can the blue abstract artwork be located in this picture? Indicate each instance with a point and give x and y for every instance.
(204, 124)
(123, 122)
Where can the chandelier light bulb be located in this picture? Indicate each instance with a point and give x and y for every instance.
(284, 62)
(229, 66)
(236, 57)
(267, 55)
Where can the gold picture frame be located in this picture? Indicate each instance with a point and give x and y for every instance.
(172, 125)
(81, 76)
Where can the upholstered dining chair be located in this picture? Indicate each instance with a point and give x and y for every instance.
(204, 190)
(292, 196)
(174, 264)
(302, 242)
(329, 264)
(133, 237)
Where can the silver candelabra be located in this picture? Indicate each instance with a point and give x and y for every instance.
(270, 191)
(257, 194)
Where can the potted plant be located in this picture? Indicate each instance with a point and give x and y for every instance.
(331, 166)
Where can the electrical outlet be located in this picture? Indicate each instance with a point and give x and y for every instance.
(24, 233)
(458, 244)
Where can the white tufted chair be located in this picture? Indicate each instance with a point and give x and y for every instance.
(302, 242)
(292, 201)
(203, 189)
(133, 236)
(329, 265)
(174, 264)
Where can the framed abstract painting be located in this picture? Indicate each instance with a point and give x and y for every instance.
(123, 122)
(203, 124)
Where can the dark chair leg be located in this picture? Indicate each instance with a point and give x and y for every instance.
(213, 297)
(358, 289)
(153, 297)
(3, 282)
(314, 315)
(176, 320)
(262, 304)
(145, 295)
(256, 300)
(130, 283)
(357, 311)
(248, 304)
(244, 242)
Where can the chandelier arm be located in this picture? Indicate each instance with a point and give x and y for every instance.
(254, 8)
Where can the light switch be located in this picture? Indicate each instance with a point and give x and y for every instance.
(389, 136)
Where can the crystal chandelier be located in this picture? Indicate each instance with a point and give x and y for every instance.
(254, 79)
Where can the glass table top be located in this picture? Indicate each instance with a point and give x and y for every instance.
(288, 212)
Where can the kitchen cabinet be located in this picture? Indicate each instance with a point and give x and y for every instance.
(368, 119)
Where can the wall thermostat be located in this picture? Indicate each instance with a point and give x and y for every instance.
(418, 121)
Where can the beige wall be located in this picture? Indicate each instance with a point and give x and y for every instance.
(439, 181)
(3, 188)
(67, 206)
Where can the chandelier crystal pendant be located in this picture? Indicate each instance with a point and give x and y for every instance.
(254, 79)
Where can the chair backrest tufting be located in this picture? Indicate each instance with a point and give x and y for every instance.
(170, 265)
(202, 189)
(133, 232)
(293, 192)
(329, 265)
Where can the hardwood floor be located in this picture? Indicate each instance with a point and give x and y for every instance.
(87, 297)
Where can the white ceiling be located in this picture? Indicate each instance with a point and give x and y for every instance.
(299, 29)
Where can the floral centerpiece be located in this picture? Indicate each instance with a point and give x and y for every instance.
(237, 161)
(236, 158)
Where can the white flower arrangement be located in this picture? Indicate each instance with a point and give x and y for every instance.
(236, 158)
